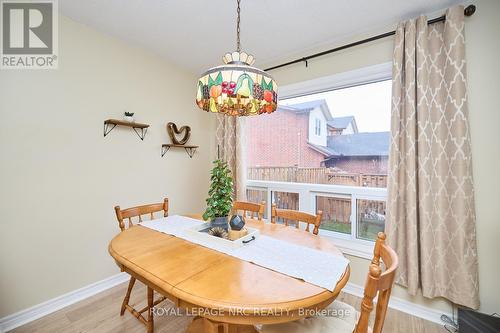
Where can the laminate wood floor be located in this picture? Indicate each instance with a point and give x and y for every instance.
(101, 314)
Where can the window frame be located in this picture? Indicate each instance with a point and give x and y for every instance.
(317, 126)
(348, 243)
(352, 78)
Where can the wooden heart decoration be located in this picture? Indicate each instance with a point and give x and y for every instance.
(173, 131)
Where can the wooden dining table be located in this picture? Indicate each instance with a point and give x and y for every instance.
(221, 290)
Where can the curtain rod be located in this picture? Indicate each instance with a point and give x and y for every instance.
(468, 11)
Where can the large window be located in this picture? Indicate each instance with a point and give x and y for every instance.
(327, 151)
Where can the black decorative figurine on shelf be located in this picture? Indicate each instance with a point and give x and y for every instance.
(237, 223)
(128, 116)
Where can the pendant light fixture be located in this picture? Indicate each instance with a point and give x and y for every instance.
(236, 88)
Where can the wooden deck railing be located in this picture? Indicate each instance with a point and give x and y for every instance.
(316, 176)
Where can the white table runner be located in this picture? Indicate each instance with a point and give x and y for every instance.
(320, 268)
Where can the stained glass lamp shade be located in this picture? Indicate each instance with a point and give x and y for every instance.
(237, 88)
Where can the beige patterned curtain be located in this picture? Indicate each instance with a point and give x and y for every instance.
(230, 140)
(430, 213)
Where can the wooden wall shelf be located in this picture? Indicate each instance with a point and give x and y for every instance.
(190, 150)
(110, 124)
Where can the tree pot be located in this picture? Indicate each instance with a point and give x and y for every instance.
(220, 222)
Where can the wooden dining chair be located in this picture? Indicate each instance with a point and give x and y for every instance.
(256, 210)
(139, 211)
(377, 282)
(128, 214)
(297, 216)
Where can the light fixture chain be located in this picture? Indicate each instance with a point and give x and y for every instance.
(238, 46)
(237, 88)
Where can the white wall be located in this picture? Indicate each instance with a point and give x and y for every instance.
(483, 52)
(483, 49)
(59, 176)
(313, 138)
(348, 130)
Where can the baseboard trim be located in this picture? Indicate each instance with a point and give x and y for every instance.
(25, 316)
(35, 312)
(402, 305)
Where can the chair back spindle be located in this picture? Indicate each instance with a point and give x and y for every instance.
(129, 213)
(293, 215)
(138, 211)
(378, 282)
(256, 210)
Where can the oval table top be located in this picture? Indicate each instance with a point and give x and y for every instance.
(195, 276)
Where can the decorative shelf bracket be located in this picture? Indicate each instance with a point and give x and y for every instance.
(190, 150)
(164, 150)
(108, 128)
(139, 129)
(143, 132)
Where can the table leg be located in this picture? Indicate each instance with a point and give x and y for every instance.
(203, 325)
(127, 295)
(150, 322)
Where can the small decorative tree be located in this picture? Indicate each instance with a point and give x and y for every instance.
(220, 200)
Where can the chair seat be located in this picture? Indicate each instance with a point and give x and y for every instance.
(341, 318)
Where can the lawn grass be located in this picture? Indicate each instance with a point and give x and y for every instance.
(344, 228)
(367, 229)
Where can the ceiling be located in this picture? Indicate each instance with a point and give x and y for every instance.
(195, 34)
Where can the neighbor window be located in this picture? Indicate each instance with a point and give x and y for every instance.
(342, 173)
(317, 128)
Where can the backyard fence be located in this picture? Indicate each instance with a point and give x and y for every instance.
(316, 176)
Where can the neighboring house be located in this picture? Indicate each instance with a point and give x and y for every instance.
(342, 126)
(310, 137)
(359, 152)
(284, 138)
(319, 116)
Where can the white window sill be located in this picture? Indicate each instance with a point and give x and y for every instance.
(360, 249)
(357, 248)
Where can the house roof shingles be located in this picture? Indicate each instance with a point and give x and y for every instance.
(359, 144)
(321, 149)
(341, 122)
(306, 107)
